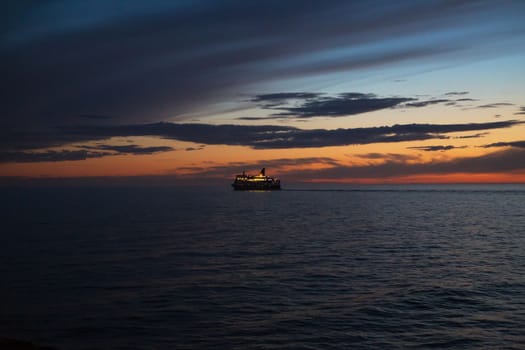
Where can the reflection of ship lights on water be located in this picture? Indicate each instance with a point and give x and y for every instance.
(246, 182)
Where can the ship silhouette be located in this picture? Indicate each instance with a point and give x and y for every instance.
(260, 182)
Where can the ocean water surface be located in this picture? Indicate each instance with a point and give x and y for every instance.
(380, 267)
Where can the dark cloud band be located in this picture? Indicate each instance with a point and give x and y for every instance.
(518, 144)
(436, 148)
(258, 137)
(86, 152)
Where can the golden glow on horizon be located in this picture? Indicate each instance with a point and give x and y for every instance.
(169, 163)
(195, 159)
(465, 178)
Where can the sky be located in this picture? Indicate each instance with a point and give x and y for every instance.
(315, 91)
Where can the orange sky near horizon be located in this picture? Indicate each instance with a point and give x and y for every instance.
(196, 163)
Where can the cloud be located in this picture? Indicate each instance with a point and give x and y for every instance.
(87, 152)
(260, 118)
(129, 149)
(436, 148)
(456, 93)
(282, 96)
(522, 111)
(518, 144)
(48, 156)
(426, 103)
(341, 106)
(189, 149)
(473, 136)
(393, 157)
(496, 105)
(317, 105)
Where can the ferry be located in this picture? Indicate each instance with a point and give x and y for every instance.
(261, 182)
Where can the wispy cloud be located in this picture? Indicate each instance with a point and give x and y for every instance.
(308, 105)
(261, 118)
(315, 104)
(189, 149)
(519, 144)
(521, 111)
(284, 96)
(436, 148)
(340, 106)
(426, 103)
(391, 157)
(129, 149)
(496, 105)
(456, 93)
(49, 156)
(86, 152)
(473, 136)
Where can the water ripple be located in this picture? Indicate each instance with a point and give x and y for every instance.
(360, 268)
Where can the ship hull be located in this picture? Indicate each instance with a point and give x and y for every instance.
(249, 186)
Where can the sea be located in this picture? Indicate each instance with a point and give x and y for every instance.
(308, 267)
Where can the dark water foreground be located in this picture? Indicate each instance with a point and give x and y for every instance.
(168, 268)
(18, 344)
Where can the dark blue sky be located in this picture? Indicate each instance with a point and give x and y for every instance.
(154, 60)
